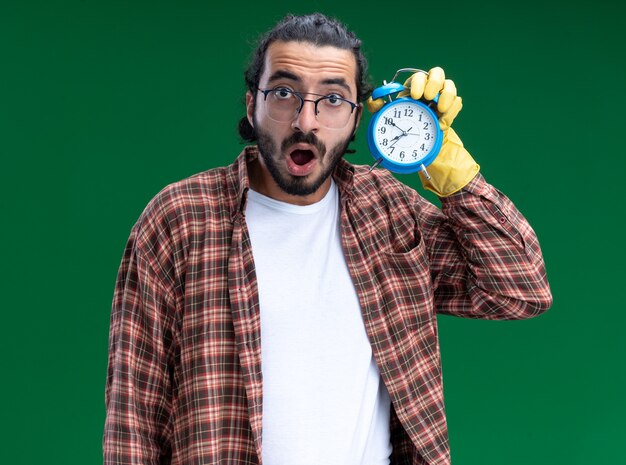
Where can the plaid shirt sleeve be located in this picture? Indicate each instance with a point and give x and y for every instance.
(485, 258)
(138, 394)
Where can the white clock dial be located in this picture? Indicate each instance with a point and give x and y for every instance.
(405, 132)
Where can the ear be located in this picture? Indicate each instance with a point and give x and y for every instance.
(250, 108)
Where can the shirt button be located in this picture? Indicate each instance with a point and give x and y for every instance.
(502, 220)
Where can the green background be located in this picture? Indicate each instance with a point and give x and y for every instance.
(102, 103)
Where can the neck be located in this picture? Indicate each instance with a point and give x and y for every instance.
(262, 182)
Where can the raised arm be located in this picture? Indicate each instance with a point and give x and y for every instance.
(485, 258)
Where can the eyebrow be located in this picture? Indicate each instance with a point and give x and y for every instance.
(337, 81)
(282, 74)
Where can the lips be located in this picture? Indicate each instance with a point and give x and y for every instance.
(301, 159)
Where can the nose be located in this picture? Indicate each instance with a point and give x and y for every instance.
(306, 120)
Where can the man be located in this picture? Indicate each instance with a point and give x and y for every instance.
(282, 309)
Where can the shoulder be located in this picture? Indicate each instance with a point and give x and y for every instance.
(187, 206)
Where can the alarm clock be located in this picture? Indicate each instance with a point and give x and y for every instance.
(404, 136)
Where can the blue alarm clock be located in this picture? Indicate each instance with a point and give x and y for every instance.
(404, 135)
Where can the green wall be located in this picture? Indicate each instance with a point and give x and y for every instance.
(102, 103)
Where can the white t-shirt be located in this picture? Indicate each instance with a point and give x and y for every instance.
(323, 400)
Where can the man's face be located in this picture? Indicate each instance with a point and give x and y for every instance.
(299, 156)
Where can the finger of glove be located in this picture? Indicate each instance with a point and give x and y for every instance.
(445, 121)
(446, 97)
(434, 84)
(403, 93)
(417, 83)
(374, 105)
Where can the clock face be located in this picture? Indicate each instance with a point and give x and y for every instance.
(405, 132)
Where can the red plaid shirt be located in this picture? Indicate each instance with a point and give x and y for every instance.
(184, 380)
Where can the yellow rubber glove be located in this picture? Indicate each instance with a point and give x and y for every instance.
(454, 167)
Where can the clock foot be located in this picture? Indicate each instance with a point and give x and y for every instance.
(376, 163)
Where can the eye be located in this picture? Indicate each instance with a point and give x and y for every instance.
(282, 93)
(334, 100)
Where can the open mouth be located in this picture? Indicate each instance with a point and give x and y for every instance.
(302, 157)
(301, 161)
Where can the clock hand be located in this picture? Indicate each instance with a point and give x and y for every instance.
(394, 124)
(396, 139)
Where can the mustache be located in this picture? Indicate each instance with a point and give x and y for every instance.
(308, 138)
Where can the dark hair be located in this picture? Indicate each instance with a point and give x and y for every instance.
(315, 29)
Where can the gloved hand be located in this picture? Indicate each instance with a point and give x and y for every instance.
(454, 167)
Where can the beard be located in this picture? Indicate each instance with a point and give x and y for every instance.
(298, 185)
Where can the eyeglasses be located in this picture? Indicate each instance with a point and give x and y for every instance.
(331, 111)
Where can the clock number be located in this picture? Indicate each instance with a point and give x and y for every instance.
(408, 112)
(384, 142)
(425, 125)
(422, 147)
(427, 136)
(382, 129)
(402, 155)
(391, 149)
(420, 118)
(397, 113)
(415, 154)
(388, 120)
